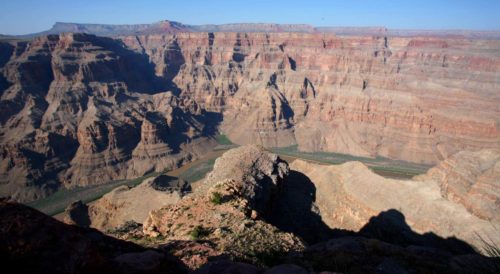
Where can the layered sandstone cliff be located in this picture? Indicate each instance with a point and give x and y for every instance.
(471, 179)
(80, 109)
(418, 99)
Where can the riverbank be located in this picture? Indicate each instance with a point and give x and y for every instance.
(196, 170)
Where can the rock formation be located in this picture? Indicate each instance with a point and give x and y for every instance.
(229, 212)
(471, 179)
(349, 195)
(81, 110)
(124, 204)
(230, 225)
(361, 95)
(377, 236)
(227, 223)
(126, 106)
(259, 175)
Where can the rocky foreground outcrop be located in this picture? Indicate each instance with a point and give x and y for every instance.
(35, 243)
(240, 191)
(259, 175)
(125, 204)
(372, 224)
(230, 224)
(369, 222)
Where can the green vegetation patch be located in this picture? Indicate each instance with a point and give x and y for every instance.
(198, 232)
(216, 198)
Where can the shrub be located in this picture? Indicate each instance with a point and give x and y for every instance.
(127, 227)
(197, 233)
(216, 198)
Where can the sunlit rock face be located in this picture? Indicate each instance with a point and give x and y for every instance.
(418, 99)
(471, 179)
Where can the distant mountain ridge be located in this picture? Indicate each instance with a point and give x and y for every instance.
(169, 27)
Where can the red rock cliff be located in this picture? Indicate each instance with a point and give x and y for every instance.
(80, 109)
(418, 99)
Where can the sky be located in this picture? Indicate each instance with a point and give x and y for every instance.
(28, 16)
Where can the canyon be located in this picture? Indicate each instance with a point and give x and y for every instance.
(79, 109)
(256, 148)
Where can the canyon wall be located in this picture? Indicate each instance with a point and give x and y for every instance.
(418, 99)
(79, 109)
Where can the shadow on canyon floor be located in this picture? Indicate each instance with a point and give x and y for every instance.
(295, 212)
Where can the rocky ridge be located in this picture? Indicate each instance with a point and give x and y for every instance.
(366, 232)
(259, 175)
(230, 214)
(349, 195)
(219, 228)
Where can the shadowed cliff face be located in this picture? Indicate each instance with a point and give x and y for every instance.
(79, 109)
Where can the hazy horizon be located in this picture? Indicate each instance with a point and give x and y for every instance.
(28, 16)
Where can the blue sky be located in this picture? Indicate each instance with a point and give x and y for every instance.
(27, 16)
